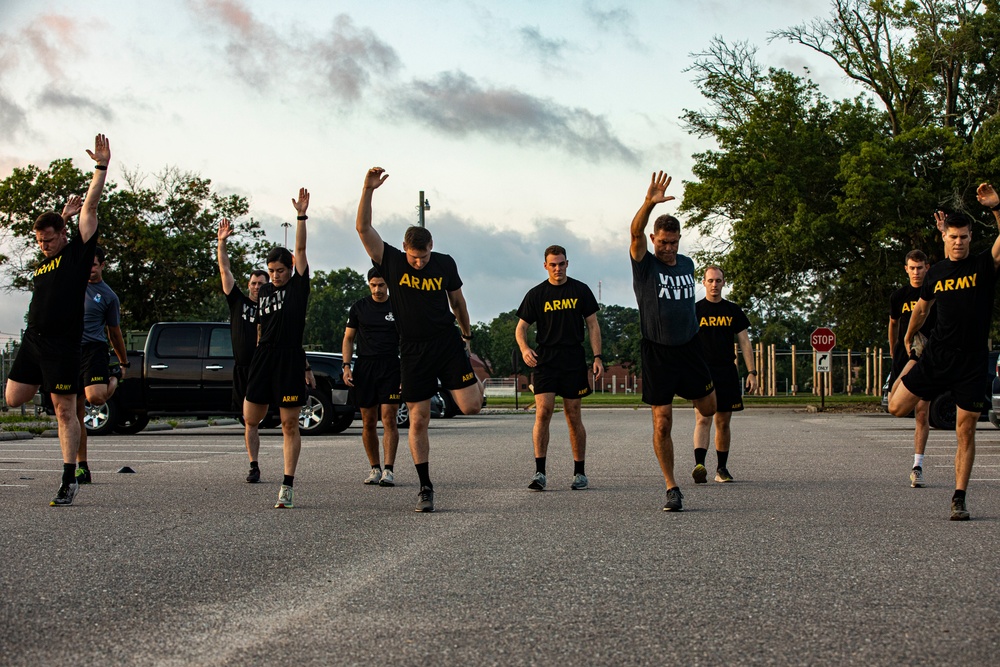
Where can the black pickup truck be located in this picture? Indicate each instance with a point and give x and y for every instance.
(186, 370)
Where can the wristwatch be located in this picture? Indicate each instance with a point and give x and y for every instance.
(751, 372)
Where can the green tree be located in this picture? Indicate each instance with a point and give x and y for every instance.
(620, 335)
(495, 343)
(331, 297)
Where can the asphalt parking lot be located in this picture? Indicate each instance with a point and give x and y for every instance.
(820, 553)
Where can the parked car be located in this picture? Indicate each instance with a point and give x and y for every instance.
(942, 413)
(186, 370)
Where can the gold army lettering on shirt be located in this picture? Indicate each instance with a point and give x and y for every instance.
(719, 321)
(908, 306)
(49, 266)
(425, 284)
(559, 304)
(953, 284)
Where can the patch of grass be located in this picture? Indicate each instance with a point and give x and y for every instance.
(21, 419)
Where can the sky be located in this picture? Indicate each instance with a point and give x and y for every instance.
(525, 123)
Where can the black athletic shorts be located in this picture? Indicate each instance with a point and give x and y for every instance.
(241, 375)
(51, 363)
(728, 388)
(562, 371)
(277, 377)
(938, 371)
(423, 363)
(669, 370)
(94, 363)
(376, 382)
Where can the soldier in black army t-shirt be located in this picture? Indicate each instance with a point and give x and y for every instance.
(276, 372)
(961, 288)
(561, 306)
(49, 356)
(901, 304)
(243, 321)
(426, 296)
(719, 321)
(375, 376)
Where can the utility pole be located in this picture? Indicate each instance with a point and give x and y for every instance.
(286, 225)
(422, 205)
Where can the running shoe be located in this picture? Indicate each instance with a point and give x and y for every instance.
(284, 498)
(425, 500)
(374, 477)
(958, 511)
(580, 482)
(386, 479)
(917, 478)
(83, 476)
(254, 475)
(700, 474)
(537, 482)
(722, 476)
(673, 503)
(67, 492)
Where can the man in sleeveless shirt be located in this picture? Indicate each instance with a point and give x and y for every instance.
(562, 307)
(425, 291)
(672, 359)
(243, 322)
(375, 375)
(49, 356)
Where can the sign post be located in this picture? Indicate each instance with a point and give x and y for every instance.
(823, 341)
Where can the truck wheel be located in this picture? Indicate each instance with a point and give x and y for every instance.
(341, 421)
(403, 416)
(100, 419)
(994, 419)
(941, 414)
(131, 424)
(317, 414)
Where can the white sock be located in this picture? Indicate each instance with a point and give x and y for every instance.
(918, 460)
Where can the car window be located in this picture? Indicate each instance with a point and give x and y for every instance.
(178, 342)
(220, 343)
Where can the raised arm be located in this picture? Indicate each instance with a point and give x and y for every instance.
(656, 194)
(301, 206)
(461, 310)
(88, 216)
(370, 239)
(225, 230)
(347, 352)
(746, 348)
(988, 197)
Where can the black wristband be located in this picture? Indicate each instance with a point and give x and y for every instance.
(126, 364)
(751, 372)
(597, 356)
(995, 208)
(308, 368)
(464, 337)
(102, 167)
(302, 217)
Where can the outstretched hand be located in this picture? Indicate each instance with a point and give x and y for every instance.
(72, 207)
(225, 229)
(302, 204)
(102, 150)
(658, 188)
(939, 217)
(987, 196)
(375, 177)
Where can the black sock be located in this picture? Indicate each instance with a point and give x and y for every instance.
(388, 467)
(69, 473)
(83, 465)
(540, 464)
(423, 472)
(723, 458)
(959, 494)
(699, 455)
(578, 467)
(253, 465)
(288, 479)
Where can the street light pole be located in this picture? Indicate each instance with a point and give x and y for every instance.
(286, 225)
(422, 205)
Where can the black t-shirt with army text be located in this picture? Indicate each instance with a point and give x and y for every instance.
(243, 319)
(718, 324)
(283, 311)
(559, 310)
(901, 305)
(376, 328)
(60, 286)
(665, 295)
(962, 292)
(419, 298)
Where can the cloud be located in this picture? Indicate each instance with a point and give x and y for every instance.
(252, 49)
(50, 38)
(351, 56)
(13, 118)
(57, 99)
(547, 51)
(619, 19)
(455, 104)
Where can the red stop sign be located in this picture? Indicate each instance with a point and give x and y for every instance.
(823, 339)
